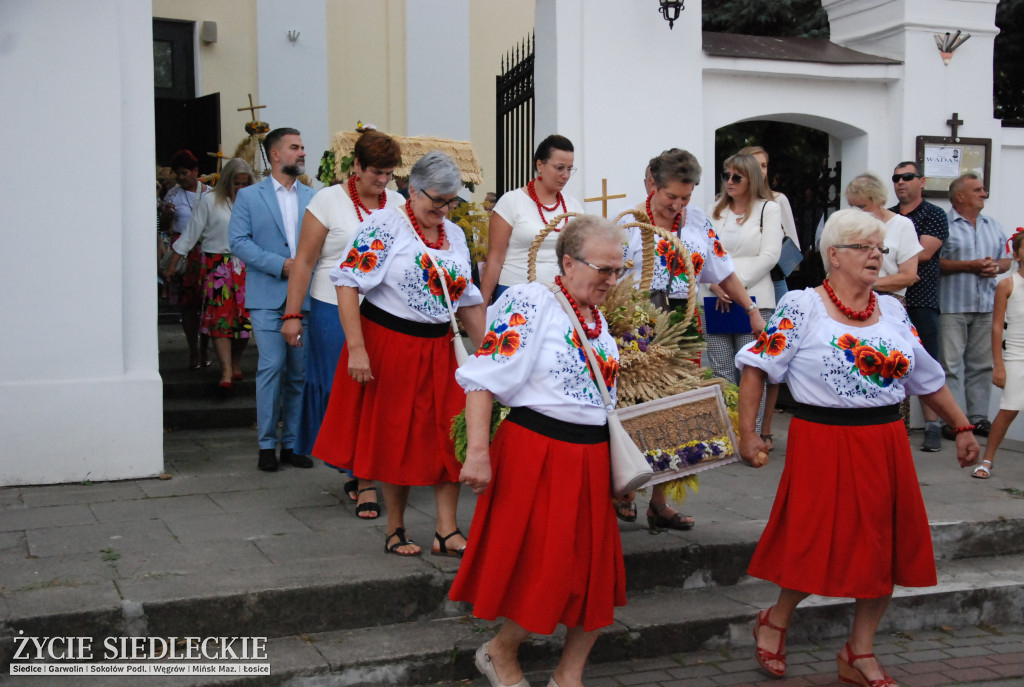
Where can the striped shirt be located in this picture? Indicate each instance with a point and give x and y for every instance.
(965, 292)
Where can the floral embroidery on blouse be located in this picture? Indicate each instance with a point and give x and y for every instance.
(502, 337)
(609, 365)
(879, 366)
(454, 281)
(362, 257)
(772, 341)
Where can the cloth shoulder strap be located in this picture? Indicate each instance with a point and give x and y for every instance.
(595, 368)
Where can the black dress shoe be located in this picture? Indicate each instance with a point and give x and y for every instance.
(982, 427)
(294, 459)
(947, 433)
(268, 460)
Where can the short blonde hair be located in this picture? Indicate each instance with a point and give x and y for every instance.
(867, 185)
(847, 226)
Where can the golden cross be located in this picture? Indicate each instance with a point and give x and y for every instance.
(252, 108)
(604, 198)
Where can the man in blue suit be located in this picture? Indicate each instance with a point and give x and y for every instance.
(264, 232)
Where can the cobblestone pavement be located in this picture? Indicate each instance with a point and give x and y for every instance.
(989, 656)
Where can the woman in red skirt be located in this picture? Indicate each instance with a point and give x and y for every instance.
(848, 519)
(394, 393)
(544, 546)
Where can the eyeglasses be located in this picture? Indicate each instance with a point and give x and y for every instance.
(736, 178)
(605, 272)
(564, 169)
(442, 202)
(906, 176)
(865, 247)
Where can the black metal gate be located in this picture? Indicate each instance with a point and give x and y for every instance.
(515, 118)
(811, 206)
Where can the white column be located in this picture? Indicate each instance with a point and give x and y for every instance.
(437, 68)
(293, 74)
(80, 395)
(616, 81)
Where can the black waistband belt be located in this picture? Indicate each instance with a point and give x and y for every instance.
(424, 330)
(558, 429)
(847, 417)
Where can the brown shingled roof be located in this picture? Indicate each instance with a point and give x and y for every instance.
(817, 50)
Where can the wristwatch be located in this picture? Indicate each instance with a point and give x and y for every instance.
(751, 307)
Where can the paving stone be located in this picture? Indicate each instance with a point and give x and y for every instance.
(288, 497)
(150, 508)
(66, 494)
(196, 484)
(119, 536)
(51, 516)
(233, 526)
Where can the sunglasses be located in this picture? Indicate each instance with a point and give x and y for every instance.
(906, 176)
(736, 178)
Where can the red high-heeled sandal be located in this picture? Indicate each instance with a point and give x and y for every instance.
(763, 655)
(851, 675)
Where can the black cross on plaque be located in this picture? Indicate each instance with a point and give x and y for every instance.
(955, 123)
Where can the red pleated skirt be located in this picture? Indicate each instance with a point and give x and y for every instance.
(848, 519)
(396, 428)
(544, 545)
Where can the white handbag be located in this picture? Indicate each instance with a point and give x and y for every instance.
(629, 468)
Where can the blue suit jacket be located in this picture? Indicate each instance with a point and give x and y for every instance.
(256, 235)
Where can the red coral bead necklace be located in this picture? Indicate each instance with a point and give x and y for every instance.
(675, 223)
(382, 199)
(595, 331)
(436, 245)
(531, 190)
(850, 313)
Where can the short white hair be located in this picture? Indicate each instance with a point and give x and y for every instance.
(848, 226)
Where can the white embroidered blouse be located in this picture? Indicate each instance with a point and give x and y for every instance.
(711, 262)
(386, 262)
(829, 364)
(532, 357)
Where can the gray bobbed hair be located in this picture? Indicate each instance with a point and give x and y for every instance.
(582, 230)
(437, 172)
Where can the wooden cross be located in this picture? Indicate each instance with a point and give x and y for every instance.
(252, 108)
(220, 155)
(604, 198)
(955, 122)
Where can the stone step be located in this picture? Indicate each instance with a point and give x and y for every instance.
(655, 623)
(214, 412)
(204, 598)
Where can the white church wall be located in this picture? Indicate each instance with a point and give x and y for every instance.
(437, 69)
(293, 74)
(80, 395)
(623, 87)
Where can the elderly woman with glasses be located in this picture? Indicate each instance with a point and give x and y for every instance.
(848, 518)
(544, 546)
(330, 222)
(673, 176)
(394, 393)
(519, 216)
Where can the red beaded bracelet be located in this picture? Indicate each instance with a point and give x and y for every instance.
(292, 316)
(965, 428)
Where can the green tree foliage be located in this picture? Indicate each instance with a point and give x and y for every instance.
(1008, 68)
(800, 18)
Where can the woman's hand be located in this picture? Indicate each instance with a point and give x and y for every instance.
(359, 364)
(967, 450)
(291, 330)
(724, 302)
(757, 323)
(476, 471)
(753, 449)
(999, 375)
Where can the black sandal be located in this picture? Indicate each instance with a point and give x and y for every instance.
(352, 487)
(625, 510)
(443, 549)
(371, 507)
(402, 541)
(675, 522)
